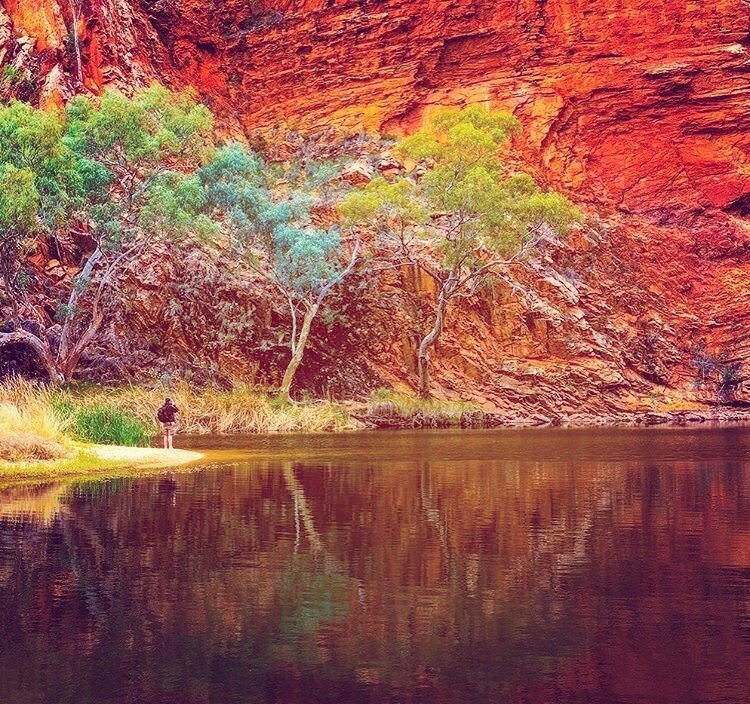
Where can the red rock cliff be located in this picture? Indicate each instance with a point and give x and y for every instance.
(639, 104)
(637, 107)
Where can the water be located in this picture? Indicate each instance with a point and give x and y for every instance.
(528, 566)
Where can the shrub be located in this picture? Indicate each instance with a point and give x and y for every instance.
(107, 425)
(29, 427)
(28, 448)
(387, 409)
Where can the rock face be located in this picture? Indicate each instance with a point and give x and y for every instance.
(637, 104)
(620, 102)
(638, 109)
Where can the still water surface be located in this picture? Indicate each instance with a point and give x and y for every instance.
(529, 566)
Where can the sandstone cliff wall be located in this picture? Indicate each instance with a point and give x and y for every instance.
(637, 108)
(639, 104)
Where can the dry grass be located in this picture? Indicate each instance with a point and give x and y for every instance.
(29, 427)
(243, 410)
(387, 409)
(27, 448)
(51, 414)
(29, 407)
(37, 419)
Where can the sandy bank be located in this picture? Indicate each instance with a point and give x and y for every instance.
(84, 461)
(143, 456)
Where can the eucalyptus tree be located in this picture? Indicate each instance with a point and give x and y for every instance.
(41, 185)
(270, 225)
(139, 158)
(119, 173)
(460, 216)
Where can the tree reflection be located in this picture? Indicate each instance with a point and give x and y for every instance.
(379, 581)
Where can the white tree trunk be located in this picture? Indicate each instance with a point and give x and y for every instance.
(298, 351)
(423, 354)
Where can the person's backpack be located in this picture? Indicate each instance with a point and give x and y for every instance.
(166, 413)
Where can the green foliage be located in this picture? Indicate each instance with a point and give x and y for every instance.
(107, 425)
(40, 186)
(478, 210)
(33, 140)
(134, 156)
(274, 231)
(271, 227)
(305, 258)
(387, 204)
(236, 188)
(462, 138)
(386, 409)
(11, 74)
(19, 208)
(19, 201)
(486, 208)
(96, 419)
(498, 126)
(15, 81)
(174, 207)
(153, 126)
(111, 163)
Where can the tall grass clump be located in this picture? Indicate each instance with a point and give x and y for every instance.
(127, 415)
(36, 421)
(242, 410)
(30, 429)
(107, 425)
(387, 409)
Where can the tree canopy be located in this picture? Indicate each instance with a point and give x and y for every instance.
(119, 171)
(460, 214)
(275, 232)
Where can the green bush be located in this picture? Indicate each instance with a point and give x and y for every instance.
(107, 425)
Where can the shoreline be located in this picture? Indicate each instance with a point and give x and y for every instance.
(92, 461)
(151, 457)
(490, 419)
(103, 461)
(644, 418)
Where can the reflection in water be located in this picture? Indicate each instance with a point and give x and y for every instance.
(537, 566)
(41, 504)
(301, 510)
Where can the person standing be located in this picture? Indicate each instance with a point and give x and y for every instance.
(167, 415)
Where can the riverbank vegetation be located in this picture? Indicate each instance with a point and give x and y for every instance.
(386, 409)
(116, 180)
(29, 433)
(242, 410)
(48, 432)
(41, 422)
(56, 416)
(72, 464)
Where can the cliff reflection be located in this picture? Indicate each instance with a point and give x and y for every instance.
(353, 581)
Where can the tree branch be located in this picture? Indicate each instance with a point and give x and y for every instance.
(40, 347)
(343, 274)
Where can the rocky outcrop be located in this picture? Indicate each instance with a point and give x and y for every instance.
(640, 106)
(637, 109)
